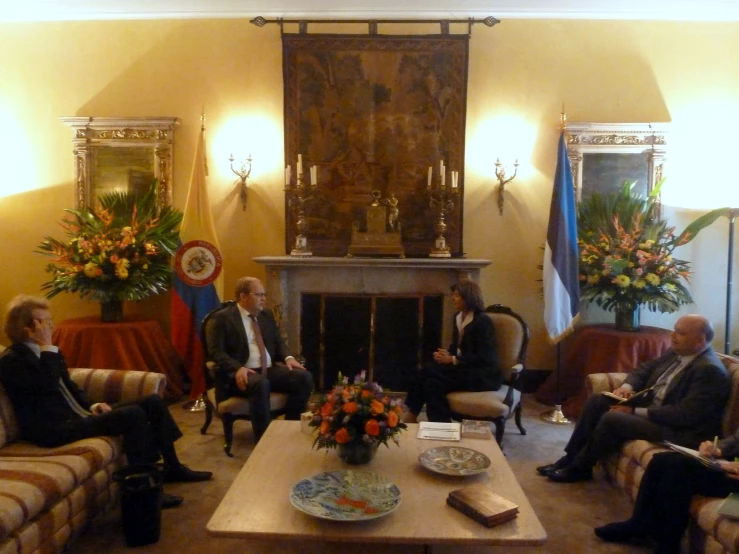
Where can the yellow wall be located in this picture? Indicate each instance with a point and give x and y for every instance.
(520, 74)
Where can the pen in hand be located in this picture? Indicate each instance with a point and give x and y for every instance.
(715, 445)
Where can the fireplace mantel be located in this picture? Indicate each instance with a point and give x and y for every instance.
(289, 277)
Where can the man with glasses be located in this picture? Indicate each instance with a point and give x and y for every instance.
(252, 359)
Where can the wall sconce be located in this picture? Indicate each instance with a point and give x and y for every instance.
(243, 174)
(502, 181)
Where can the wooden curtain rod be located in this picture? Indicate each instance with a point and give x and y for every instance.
(489, 21)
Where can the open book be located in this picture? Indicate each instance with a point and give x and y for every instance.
(639, 399)
(718, 465)
(439, 431)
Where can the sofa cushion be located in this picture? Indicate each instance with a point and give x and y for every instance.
(8, 423)
(97, 452)
(30, 485)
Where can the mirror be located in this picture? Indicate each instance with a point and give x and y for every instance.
(122, 153)
(604, 155)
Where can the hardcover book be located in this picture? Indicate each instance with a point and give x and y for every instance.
(473, 429)
(483, 505)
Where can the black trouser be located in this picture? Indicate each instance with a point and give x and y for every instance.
(434, 382)
(296, 383)
(599, 432)
(145, 424)
(662, 506)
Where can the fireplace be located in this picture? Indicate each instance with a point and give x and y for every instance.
(348, 314)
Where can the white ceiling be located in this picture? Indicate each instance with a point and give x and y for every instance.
(60, 10)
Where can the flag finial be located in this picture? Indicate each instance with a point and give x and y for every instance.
(202, 119)
(563, 118)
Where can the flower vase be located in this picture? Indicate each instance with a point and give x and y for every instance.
(111, 311)
(357, 453)
(627, 318)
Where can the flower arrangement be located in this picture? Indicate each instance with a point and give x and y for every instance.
(626, 252)
(358, 413)
(118, 251)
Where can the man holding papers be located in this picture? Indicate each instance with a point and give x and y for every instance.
(662, 506)
(690, 388)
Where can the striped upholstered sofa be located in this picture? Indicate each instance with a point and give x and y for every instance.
(708, 532)
(48, 495)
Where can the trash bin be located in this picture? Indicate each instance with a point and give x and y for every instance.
(141, 511)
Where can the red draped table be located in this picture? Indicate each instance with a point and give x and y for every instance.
(599, 348)
(135, 343)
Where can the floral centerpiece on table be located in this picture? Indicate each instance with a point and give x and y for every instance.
(118, 251)
(357, 415)
(626, 252)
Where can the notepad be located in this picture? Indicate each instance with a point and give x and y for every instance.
(438, 431)
(730, 506)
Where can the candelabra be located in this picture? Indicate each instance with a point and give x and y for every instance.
(298, 195)
(502, 181)
(442, 197)
(243, 174)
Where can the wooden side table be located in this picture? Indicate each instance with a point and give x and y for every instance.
(135, 343)
(600, 348)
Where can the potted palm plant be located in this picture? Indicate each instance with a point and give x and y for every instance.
(626, 254)
(118, 251)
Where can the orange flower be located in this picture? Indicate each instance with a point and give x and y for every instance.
(342, 435)
(377, 407)
(324, 428)
(392, 419)
(327, 409)
(372, 428)
(350, 407)
(365, 394)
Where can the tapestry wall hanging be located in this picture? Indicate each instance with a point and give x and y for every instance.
(374, 113)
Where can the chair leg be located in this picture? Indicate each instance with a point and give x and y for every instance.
(228, 433)
(208, 415)
(499, 430)
(518, 419)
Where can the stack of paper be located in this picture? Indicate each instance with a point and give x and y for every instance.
(439, 431)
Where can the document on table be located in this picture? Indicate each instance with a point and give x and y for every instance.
(439, 431)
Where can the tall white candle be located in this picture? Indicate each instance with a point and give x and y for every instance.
(287, 176)
(313, 179)
(429, 181)
(300, 166)
(443, 176)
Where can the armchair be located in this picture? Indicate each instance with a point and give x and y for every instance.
(512, 340)
(233, 408)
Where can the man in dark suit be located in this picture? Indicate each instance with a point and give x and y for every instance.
(470, 364)
(52, 411)
(245, 343)
(690, 388)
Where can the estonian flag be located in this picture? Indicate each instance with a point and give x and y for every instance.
(197, 281)
(561, 286)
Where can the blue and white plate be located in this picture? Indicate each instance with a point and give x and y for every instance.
(454, 460)
(345, 495)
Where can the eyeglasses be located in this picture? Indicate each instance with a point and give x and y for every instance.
(259, 294)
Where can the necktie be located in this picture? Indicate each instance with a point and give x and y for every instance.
(260, 342)
(660, 387)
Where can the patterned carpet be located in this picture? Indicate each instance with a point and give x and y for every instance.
(568, 511)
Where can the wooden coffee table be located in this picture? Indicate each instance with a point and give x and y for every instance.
(257, 506)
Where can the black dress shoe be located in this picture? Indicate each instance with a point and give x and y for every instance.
(571, 474)
(183, 474)
(170, 500)
(563, 462)
(619, 531)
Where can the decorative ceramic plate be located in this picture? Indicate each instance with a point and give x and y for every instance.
(454, 460)
(345, 495)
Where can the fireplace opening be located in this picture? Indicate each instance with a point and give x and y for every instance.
(390, 336)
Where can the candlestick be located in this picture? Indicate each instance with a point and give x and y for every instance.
(442, 198)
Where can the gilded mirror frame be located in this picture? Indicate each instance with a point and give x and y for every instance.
(648, 139)
(122, 142)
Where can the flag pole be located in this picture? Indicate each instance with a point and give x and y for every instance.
(556, 415)
(198, 404)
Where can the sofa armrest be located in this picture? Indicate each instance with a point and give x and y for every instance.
(117, 385)
(602, 382)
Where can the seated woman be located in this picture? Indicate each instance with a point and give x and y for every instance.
(671, 479)
(470, 364)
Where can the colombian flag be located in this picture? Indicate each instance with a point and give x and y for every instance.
(197, 286)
